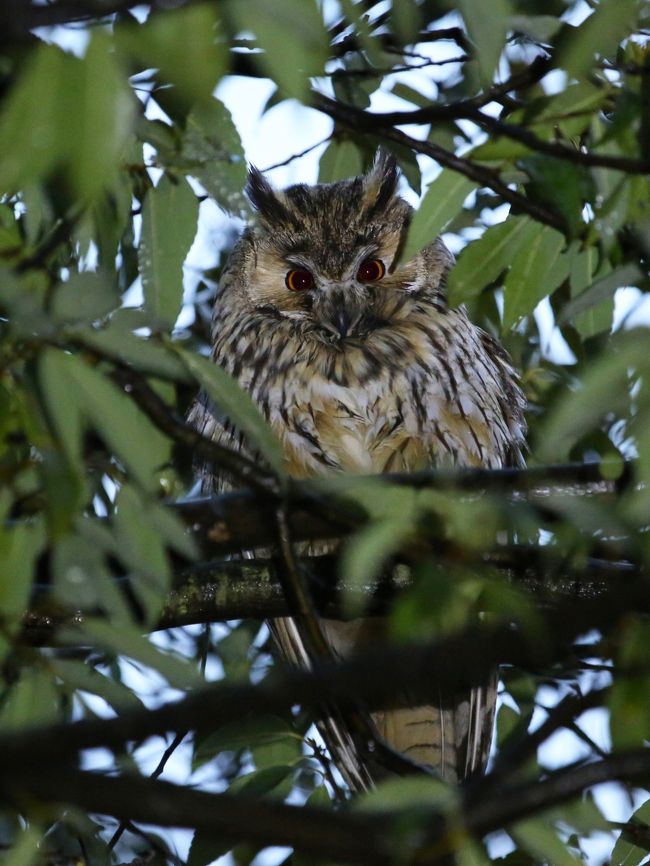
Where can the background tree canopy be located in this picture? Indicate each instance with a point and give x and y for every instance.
(138, 693)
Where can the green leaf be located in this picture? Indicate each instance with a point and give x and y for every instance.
(441, 203)
(487, 32)
(561, 185)
(116, 340)
(542, 841)
(271, 24)
(10, 237)
(604, 389)
(25, 851)
(179, 672)
(602, 290)
(183, 45)
(85, 114)
(84, 297)
(629, 715)
(226, 394)
(415, 792)
(341, 159)
(365, 552)
(541, 28)
(483, 260)
(81, 579)
(211, 151)
(74, 391)
(261, 782)
(34, 700)
(625, 852)
(530, 278)
(170, 213)
(599, 35)
(20, 546)
(206, 848)
(142, 549)
(79, 676)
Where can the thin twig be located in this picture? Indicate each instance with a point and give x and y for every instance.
(579, 157)
(296, 155)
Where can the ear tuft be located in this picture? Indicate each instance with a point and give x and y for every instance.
(266, 200)
(381, 181)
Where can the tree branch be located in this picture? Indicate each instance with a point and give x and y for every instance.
(579, 157)
(357, 119)
(322, 833)
(459, 661)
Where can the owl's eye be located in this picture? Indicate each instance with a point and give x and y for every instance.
(371, 270)
(299, 280)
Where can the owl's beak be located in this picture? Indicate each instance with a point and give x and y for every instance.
(337, 310)
(342, 321)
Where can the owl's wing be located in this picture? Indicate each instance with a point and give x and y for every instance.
(333, 730)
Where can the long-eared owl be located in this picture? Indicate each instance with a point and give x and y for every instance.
(360, 366)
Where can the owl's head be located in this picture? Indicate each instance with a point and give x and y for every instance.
(329, 255)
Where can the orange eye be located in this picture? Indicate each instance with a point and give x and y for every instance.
(299, 280)
(371, 270)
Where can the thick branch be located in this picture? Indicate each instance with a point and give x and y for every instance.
(459, 661)
(333, 835)
(518, 802)
(253, 588)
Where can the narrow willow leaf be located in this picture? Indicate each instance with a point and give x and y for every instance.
(34, 700)
(20, 546)
(26, 850)
(625, 852)
(206, 848)
(183, 44)
(82, 579)
(604, 389)
(271, 23)
(85, 114)
(236, 404)
(106, 111)
(603, 289)
(86, 393)
(441, 203)
(85, 296)
(169, 219)
(79, 676)
(541, 28)
(561, 185)
(529, 280)
(598, 35)
(341, 159)
(127, 641)
(411, 792)
(142, 550)
(366, 551)
(212, 152)
(264, 781)
(541, 839)
(116, 340)
(63, 402)
(596, 320)
(487, 32)
(483, 260)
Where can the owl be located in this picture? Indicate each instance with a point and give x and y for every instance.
(360, 366)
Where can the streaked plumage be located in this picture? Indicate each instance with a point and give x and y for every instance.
(364, 377)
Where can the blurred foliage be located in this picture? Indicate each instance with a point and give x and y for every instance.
(111, 150)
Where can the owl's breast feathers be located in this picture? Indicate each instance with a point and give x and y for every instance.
(428, 388)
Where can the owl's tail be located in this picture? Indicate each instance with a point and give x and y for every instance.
(450, 734)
